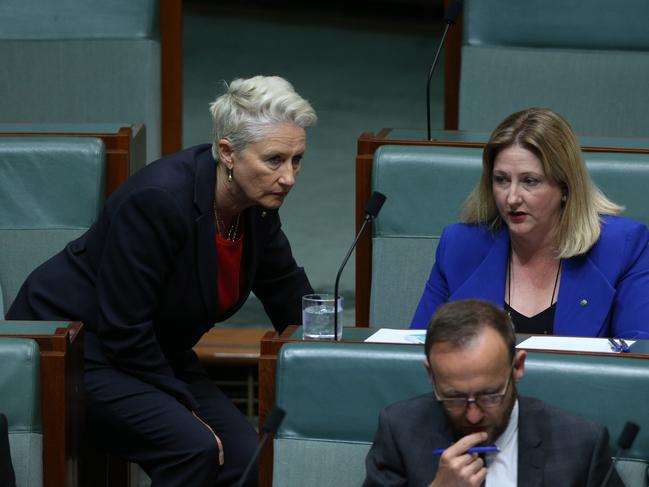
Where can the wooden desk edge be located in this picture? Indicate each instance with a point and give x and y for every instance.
(61, 369)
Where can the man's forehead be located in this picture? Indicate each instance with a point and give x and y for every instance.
(486, 352)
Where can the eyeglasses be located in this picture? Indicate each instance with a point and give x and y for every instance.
(483, 401)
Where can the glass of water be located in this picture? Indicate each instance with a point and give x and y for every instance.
(318, 317)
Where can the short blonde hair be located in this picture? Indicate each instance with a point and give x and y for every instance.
(550, 138)
(250, 107)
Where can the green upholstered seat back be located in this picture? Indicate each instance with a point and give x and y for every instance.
(51, 190)
(82, 61)
(20, 392)
(586, 60)
(332, 394)
(17, 327)
(607, 389)
(425, 188)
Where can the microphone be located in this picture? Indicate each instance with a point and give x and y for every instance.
(372, 209)
(271, 425)
(624, 442)
(450, 17)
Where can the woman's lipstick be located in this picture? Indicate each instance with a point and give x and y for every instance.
(517, 216)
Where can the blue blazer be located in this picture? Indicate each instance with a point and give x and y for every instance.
(604, 292)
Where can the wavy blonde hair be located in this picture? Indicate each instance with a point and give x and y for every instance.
(550, 138)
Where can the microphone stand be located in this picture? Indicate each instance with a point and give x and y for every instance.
(372, 209)
(452, 12)
(340, 271)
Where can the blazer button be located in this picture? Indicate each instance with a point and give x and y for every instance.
(263, 214)
(583, 302)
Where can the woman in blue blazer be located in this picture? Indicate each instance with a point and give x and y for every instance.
(541, 240)
(179, 246)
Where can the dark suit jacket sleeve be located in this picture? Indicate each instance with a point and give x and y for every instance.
(145, 234)
(384, 465)
(560, 447)
(600, 461)
(280, 283)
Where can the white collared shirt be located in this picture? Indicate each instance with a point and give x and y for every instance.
(502, 467)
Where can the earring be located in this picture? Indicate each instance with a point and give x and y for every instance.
(564, 198)
(230, 178)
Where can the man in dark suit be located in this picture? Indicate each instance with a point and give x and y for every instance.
(473, 365)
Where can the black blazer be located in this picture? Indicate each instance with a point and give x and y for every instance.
(555, 448)
(143, 278)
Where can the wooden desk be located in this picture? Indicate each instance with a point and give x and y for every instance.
(61, 364)
(272, 343)
(238, 346)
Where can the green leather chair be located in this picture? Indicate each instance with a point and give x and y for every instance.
(332, 394)
(51, 190)
(587, 60)
(425, 188)
(20, 392)
(82, 61)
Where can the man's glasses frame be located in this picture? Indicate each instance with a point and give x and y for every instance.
(483, 401)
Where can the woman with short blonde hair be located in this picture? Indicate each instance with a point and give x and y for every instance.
(179, 246)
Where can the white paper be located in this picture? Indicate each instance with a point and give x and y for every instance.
(569, 344)
(388, 335)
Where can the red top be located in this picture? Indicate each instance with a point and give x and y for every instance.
(229, 281)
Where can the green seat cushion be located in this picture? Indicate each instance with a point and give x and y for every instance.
(51, 190)
(601, 92)
(319, 463)
(43, 180)
(556, 23)
(88, 81)
(75, 19)
(20, 392)
(586, 60)
(15, 327)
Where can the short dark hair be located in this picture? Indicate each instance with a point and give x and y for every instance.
(460, 322)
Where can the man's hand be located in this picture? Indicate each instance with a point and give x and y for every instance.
(457, 468)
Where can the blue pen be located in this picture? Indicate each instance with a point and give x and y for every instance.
(625, 345)
(619, 346)
(473, 449)
(614, 345)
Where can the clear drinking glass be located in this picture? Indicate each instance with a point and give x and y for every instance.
(318, 317)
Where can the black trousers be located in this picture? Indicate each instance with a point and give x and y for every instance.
(133, 420)
(7, 477)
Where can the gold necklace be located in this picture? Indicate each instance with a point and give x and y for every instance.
(233, 231)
